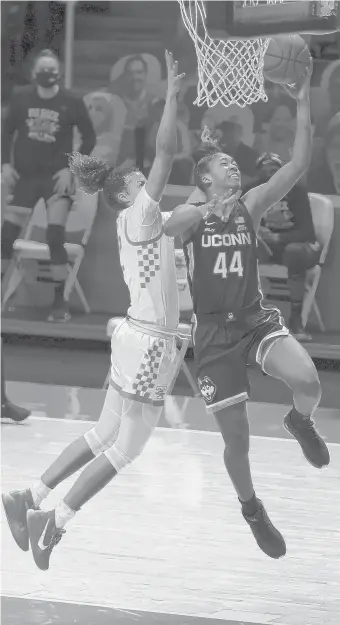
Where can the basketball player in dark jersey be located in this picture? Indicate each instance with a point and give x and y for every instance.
(232, 327)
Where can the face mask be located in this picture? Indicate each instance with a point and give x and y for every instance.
(47, 78)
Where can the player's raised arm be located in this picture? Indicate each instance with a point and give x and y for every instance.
(260, 198)
(166, 140)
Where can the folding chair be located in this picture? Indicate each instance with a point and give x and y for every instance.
(184, 329)
(276, 275)
(78, 230)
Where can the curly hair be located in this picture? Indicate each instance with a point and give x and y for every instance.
(204, 149)
(94, 175)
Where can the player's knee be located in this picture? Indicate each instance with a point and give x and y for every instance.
(9, 233)
(234, 426)
(55, 238)
(120, 458)
(94, 442)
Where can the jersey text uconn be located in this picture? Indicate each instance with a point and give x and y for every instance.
(226, 240)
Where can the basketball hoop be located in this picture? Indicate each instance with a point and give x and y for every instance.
(229, 72)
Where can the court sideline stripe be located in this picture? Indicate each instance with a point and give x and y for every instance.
(170, 429)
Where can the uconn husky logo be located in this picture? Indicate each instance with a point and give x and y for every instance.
(207, 388)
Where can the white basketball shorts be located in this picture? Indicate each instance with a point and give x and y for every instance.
(143, 363)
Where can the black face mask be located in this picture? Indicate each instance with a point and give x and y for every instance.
(47, 78)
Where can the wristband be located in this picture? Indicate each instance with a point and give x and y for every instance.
(207, 214)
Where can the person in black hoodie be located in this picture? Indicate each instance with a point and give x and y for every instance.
(287, 237)
(41, 120)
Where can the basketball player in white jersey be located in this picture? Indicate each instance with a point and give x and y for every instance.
(144, 354)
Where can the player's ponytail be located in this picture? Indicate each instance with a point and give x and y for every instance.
(206, 148)
(90, 172)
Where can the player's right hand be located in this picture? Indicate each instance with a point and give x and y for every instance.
(219, 202)
(300, 91)
(10, 175)
(174, 79)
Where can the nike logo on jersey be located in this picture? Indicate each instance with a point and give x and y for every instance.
(210, 223)
(42, 537)
(239, 220)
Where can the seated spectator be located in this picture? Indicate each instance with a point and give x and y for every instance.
(324, 174)
(107, 113)
(39, 130)
(132, 89)
(279, 135)
(287, 237)
(229, 135)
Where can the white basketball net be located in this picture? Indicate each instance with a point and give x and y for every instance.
(229, 72)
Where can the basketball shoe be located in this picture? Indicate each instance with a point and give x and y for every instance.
(16, 504)
(266, 535)
(313, 446)
(43, 536)
(13, 412)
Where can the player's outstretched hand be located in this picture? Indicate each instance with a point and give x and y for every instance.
(206, 136)
(301, 90)
(220, 202)
(174, 79)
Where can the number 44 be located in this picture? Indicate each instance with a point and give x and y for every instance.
(235, 265)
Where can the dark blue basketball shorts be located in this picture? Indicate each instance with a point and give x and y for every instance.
(224, 348)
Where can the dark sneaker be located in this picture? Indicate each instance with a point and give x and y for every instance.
(13, 412)
(16, 504)
(43, 535)
(266, 535)
(313, 446)
(60, 314)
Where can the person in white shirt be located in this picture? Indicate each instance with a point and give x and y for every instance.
(144, 353)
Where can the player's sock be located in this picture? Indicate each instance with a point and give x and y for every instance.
(73, 458)
(97, 475)
(39, 492)
(251, 506)
(296, 416)
(63, 514)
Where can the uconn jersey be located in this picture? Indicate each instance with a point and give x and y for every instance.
(222, 265)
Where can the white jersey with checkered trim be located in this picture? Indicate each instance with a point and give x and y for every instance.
(148, 262)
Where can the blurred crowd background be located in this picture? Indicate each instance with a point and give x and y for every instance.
(118, 68)
(126, 105)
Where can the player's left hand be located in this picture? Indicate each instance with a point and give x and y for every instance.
(174, 79)
(64, 182)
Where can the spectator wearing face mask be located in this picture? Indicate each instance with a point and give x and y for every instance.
(37, 137)
(287, 237)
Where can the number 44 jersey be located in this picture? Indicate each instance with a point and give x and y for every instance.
(221, 259)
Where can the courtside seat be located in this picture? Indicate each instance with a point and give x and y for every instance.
(33, 247)
(275, 276)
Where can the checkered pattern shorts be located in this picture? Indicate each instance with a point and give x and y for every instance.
(142, 366)
(148, 262)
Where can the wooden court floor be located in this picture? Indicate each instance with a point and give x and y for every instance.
(166, 536)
